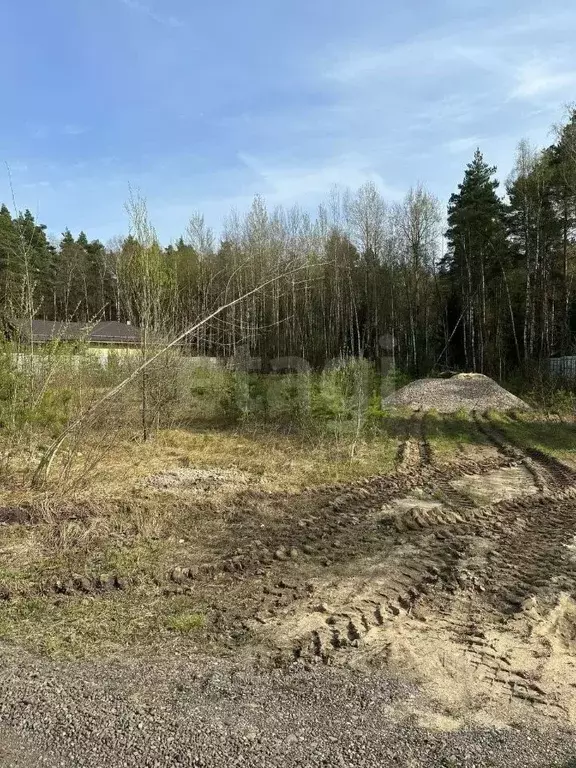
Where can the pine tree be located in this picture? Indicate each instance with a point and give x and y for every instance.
(8, 254)
(65, 293)
(477, 244)
(535, 237)
(100, 281)
(33, 265)
(563, 164)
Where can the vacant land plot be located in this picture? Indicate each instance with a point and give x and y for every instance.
(441, 553)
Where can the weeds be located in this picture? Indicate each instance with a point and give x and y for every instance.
(555, 438)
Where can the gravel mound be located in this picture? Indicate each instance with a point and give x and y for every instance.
(468, 391)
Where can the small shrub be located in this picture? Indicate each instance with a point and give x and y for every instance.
(327, 398)
(561, 402)
(288, 399)
(395, 380)
(52, 411)
(236, 397)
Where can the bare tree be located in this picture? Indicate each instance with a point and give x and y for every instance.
(416, 224)
(43, 469)
(367, 216)
(146, 279)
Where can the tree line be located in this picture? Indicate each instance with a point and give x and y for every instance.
(494, 296)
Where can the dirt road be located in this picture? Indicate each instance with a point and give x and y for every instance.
(416, 574)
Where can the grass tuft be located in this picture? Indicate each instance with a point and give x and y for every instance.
(185, 622)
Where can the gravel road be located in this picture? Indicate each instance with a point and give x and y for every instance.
(215, 713)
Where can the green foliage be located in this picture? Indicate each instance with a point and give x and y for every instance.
(545, 392)
(308, 401)
(52, 410)
(394, 380)
(9, 381)
(288, 399)
(550, 436)
(237, 400)
(367, 284)
(328, 401)
(185, 622)
(27, 402)
(554, 399)
(475, 219)
(208, 394)
(477, 246)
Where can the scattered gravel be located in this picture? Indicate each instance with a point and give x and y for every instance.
(467, 391)
(214, 713)
(193, 477)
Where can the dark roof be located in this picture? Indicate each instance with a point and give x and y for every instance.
(108, 332)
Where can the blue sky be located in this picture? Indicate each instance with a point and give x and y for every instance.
(203, 104)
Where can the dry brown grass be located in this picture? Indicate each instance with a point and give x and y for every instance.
(109, 522)
(279, 462)
(112, 467)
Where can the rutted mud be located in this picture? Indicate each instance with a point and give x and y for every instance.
(481, 610)
(474, 600)
(499, 485)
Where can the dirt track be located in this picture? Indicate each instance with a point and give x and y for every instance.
(474, 601)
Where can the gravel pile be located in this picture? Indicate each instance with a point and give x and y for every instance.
(467, 391)
(212, 713)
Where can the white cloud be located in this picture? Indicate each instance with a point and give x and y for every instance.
(145, 10)
(539, 78)
(524, 57)
(462, 145)
(289, 184)
(424, 55)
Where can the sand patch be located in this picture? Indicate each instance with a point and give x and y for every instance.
(492, 487)
(474, 668)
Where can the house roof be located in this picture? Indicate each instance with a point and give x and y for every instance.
(107, 332)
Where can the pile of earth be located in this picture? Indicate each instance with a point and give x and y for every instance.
(465, 391)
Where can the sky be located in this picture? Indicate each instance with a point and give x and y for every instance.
(201, 105)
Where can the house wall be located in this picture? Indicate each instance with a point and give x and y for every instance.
(102, 354)
(104, 351)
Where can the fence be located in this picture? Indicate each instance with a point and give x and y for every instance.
(563, 366)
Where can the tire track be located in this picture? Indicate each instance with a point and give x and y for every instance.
(548, 472)
(468, 571)
(473, 576)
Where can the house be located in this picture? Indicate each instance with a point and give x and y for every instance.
(107, 334)
(101, 338)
